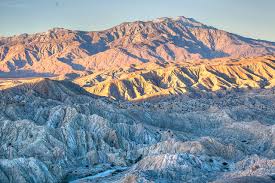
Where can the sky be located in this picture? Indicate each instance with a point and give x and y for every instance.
(250, 18)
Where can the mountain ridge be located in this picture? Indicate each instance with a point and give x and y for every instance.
(63, 52)
(147, 81)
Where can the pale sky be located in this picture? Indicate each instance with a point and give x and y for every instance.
(251, 18)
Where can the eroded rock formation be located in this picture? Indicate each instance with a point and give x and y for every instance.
(53, 131)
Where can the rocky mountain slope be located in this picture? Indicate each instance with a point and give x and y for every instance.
(53, 131)
(67, 52)
(152, 80)
(192, 104)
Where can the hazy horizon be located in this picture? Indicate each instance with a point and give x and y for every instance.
(240, 17)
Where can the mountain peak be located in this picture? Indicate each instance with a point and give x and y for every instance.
(58, 29)
(163, 19)
(189, 22)
(169, 19)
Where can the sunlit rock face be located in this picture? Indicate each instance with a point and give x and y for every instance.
(75, 53)
(150, 80)
(55, 131)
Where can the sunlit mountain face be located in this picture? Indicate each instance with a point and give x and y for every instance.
(167, 100)
(165, 40)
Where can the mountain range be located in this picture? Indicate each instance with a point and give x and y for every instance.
(62, 52)
(169, 100)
